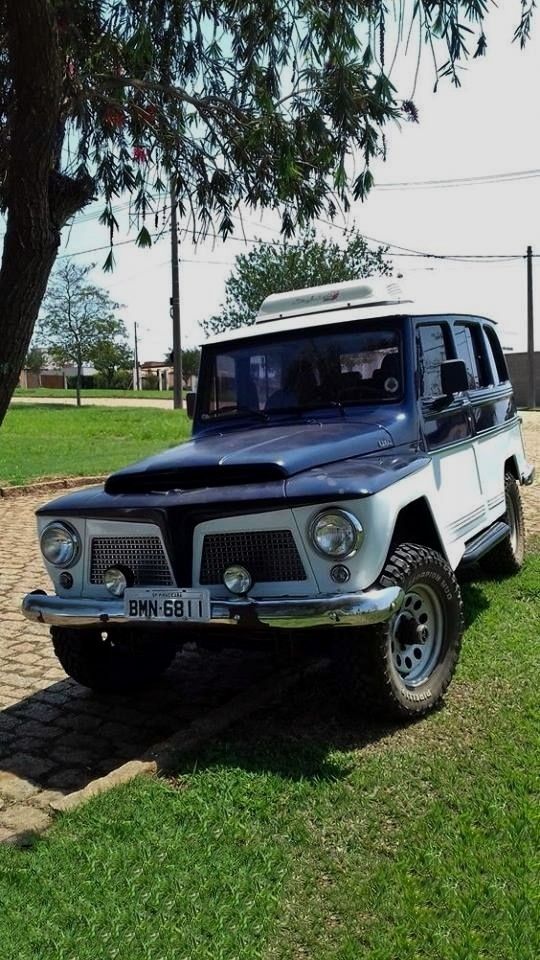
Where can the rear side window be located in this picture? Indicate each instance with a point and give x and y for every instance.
(494, 347)
(432, 343)
(469, 348)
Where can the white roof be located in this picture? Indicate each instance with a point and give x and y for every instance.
(364, 299)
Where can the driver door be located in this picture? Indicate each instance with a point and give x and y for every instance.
(448, 430)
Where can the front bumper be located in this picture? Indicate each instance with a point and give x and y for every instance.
(335, 610)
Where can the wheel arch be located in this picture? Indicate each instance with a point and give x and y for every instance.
(415, 524)
(511, 467)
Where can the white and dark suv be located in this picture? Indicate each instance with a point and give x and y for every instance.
(350, 451)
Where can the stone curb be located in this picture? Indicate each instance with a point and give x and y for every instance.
(162, 757)
(46, 486)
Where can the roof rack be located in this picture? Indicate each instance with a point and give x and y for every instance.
(370, 292)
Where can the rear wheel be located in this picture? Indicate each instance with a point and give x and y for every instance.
(112, 661)
(402, 667)
(507, 557)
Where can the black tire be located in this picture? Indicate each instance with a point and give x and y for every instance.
(367, 660)
(507, 557)
(114, 662)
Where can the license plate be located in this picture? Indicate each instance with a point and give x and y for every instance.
(169, 605)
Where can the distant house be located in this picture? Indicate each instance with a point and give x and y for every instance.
(164, 372)
(53, 377)
(159, 369)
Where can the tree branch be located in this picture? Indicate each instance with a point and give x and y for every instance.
(202, 104)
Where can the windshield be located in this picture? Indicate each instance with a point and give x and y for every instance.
(304, 370)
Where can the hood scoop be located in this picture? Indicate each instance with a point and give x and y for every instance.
(194, 478)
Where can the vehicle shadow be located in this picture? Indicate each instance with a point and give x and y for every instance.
(62, 736)
(474, 600)
(306, 735)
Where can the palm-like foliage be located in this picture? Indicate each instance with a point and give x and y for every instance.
(239, 103)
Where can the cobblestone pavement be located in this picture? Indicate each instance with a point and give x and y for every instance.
(531, 495)
(55, 736)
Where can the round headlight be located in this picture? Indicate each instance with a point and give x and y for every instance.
(237, 579)
(116, 581)
(336, 533)
(60, 544)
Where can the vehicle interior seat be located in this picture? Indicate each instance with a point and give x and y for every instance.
(299, 387)
(388, 372)
(350, 386)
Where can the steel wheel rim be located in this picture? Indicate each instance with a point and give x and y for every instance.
(416, 637)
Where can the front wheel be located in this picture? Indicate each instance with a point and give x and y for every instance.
(114, 661)
(402, 667)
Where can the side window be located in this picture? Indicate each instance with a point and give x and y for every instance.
(223, 384)
(466, 350)
(432, 346)
(494, 347)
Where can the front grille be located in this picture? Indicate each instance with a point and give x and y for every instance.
(144, 556)
(269, 555)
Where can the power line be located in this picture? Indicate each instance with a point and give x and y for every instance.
(482, 179)
(410, 252)
(395, 250)
(510, 176)
(122, 243)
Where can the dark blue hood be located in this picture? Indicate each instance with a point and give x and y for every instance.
(251, 455)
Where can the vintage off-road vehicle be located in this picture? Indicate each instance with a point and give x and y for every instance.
(350, 451)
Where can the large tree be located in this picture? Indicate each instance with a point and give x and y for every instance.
(270, 103)
(79, 321)
(273, 268)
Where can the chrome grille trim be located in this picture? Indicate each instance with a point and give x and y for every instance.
(143, 555)
(271, 556)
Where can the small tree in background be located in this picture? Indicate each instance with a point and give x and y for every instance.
(35, 360)
(274, 268)
(78, 319)
(112, 359)
(191, 360)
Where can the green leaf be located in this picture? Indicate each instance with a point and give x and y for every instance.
(143, 238)
(109, 263)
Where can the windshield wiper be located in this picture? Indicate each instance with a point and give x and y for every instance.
(232, 410)
(313, 405)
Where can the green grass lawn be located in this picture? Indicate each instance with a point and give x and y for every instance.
(306, 833)
(88, 394)
(47, 441)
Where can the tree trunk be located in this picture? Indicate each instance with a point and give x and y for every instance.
(39, 199)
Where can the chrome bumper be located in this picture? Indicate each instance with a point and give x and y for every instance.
(335, 610)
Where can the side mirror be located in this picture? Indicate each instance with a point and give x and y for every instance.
(454, 377)
(190, 404)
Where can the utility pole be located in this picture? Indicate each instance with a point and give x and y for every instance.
(178, 396)
(136, 377)
(530, 331)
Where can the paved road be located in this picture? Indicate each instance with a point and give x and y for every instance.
(165, 404)
(54, 735)
(531, 495)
